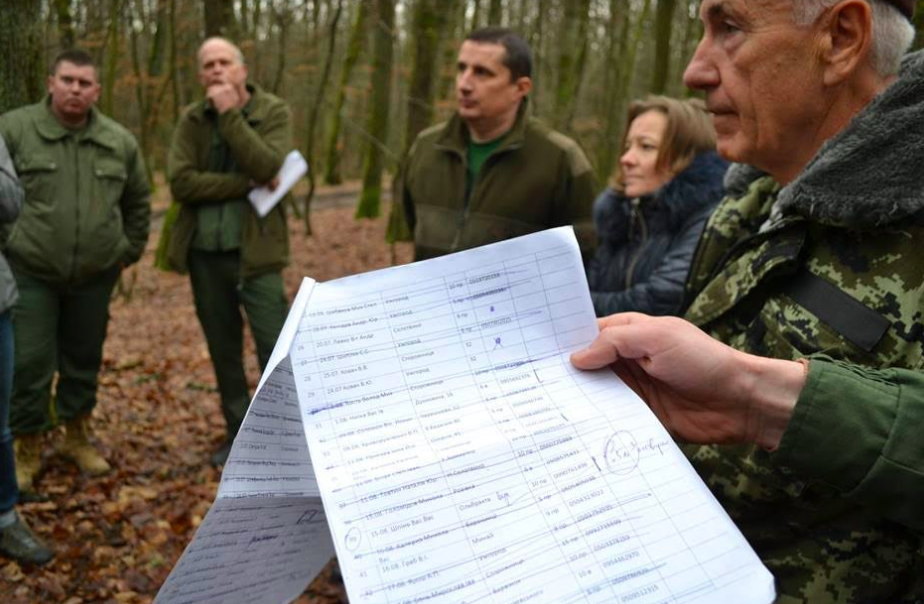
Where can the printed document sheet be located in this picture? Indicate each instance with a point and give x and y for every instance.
(460, 457)
(293, 168)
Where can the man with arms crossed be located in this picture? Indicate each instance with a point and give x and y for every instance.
(225, 145)
(812, 278)
(491, 172)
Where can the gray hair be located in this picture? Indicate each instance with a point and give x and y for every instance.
(237, 51)
(892, 32)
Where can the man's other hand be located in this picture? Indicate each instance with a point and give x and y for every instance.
(701, 390)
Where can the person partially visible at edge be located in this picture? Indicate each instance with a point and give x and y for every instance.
(650, 218)
(491, 172)
(85, 218)
(233, 140)
(809, 395)
(17, 541)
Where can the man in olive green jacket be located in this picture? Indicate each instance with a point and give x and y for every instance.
(223, 146)
(491, 172)
(85, 217)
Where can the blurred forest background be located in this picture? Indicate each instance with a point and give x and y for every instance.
(362, 76)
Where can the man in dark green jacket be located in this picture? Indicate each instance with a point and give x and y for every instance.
(224, 146)
(491, 172)
(85, 217)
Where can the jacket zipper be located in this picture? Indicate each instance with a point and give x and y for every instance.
(76, 159)
(636, 215)
(467, 203)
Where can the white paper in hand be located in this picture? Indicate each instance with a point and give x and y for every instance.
(293, 168)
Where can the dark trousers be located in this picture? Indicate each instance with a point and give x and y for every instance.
(9, 492)
(58, 328)
(219, 294)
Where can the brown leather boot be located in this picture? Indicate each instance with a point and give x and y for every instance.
(78, 448)
(28, 450)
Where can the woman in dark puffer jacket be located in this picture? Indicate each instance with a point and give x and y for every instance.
(650, 218)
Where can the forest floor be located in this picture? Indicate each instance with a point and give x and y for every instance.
(117, 537)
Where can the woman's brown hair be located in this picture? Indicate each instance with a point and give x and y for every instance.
(688, 133)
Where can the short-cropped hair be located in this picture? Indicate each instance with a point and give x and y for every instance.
(688, 133)
(517, 56)
(75, 56)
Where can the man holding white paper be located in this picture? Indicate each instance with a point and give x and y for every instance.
(233, 141)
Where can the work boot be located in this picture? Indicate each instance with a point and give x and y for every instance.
(18, 542)
(78, 448)
(28, 450)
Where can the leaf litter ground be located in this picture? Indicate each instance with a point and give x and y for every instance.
(157, 421)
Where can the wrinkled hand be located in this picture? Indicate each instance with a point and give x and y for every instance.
(223, 97)
(701, 390)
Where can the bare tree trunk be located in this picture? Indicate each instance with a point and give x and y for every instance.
(620, 20)
(20, 54)
(150, 85)
(316, 108)
(428, 28)
(283, 17)
(664, 16)
(571, 59)
(219, 19)
(632, 50)
(112, 41)
(174, 80)
(691, 35)
(369, 201)
(476, 16)
(522, 10)
(536, 42)
(456, 28)
(919, 25)
(354, 49)
(65, 23)
(496, 13)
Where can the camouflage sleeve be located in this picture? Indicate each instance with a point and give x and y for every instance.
(859, 430)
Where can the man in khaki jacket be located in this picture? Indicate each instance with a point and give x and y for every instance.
(85, 217)
(491, 172)
(225, 145)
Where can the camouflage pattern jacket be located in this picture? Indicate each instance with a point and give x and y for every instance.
(830, 265)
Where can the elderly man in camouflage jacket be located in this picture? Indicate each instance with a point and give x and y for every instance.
(812, 271)
(491, 172)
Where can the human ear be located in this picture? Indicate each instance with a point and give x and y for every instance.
(524, 85)
(847, 40)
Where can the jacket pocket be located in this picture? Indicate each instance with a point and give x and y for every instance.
(111, 177)
(38, 175)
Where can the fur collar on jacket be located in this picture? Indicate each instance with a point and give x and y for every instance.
(697, 187)
(869, 174)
